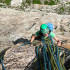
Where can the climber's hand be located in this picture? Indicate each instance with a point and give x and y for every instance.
(59, 43)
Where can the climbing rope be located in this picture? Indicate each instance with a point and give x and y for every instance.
(2, 63)
(51, 56)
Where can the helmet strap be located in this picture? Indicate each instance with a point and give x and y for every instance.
(49, 31)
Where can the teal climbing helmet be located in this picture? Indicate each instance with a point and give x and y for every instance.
(44, 28)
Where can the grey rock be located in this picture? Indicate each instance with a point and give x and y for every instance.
(16, 25)
(19, 58)
(16, 3)
(0, 67)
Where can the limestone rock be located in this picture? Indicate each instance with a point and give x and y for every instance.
(19, 58)
(18, 24)
(16, 3)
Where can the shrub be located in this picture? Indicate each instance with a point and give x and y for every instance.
(36, 2)
(5, 1)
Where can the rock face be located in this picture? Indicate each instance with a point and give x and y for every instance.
(16, 25)
(62, 8)
(0, 67)
(16, 3)
(20, 58)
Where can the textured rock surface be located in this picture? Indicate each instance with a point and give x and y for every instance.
(61, 7)
(19, 58)
(16, 3)
(18, 25)
(0, 67)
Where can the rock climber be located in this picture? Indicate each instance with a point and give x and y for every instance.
(45, 31)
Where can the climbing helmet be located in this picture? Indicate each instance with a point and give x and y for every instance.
(44, 28)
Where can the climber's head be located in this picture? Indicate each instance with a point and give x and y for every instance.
(44, 29)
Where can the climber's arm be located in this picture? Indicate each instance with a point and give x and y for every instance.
(58, 41)
(32, 38)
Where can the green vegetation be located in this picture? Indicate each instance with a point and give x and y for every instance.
(68, 3)
(7, 2)
(51, 2)
(63, 8)
(36, 2)
(60, 10)
(46, 2)
(28, 1)
(22, 6)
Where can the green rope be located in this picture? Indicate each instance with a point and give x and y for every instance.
(52, 59)
(54, 65)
